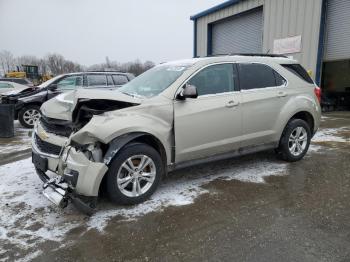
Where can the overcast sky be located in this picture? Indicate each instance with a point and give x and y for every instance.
(86, 31)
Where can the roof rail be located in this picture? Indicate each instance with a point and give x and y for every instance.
(249, 54)
(105, 71)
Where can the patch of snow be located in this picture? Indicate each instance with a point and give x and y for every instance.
(316, 148)
(26, 217)
(31, 256)
(331, 135)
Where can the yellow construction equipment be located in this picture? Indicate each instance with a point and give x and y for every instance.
(31, 72)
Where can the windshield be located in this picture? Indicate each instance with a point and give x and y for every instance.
(48, 82)
(153, 81)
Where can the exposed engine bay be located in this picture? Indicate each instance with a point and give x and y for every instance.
(81, 115)
(87, 108)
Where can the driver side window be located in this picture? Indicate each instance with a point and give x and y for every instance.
(70, 83)
(215, 79)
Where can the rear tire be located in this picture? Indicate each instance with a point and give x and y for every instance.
(134, 174)
(28, 115)
(295, 141)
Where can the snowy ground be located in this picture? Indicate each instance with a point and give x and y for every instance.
(27, 219)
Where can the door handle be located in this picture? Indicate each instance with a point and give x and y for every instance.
(282, 94)
(232, 104)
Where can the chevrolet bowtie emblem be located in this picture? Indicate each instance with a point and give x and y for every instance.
(42, 134)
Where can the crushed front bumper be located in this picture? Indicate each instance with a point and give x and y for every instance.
(77, 178)
(58, 191)
(76, 166)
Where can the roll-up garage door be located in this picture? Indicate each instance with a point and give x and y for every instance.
(239, 34)
(337, 46)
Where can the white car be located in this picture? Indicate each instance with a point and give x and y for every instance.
(11, 88)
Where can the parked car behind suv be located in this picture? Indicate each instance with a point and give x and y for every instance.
(175, 115)
(27, 105)
(21, 81)
(11, 88)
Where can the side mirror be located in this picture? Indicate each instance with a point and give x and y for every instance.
(188, 91)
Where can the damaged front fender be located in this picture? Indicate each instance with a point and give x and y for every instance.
(116, 144)
(89, 173)
(117, 128)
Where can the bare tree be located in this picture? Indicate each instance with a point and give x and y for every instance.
(56, 64)
(7, 61)
(136, 67)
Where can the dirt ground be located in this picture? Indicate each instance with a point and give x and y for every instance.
(254, 208)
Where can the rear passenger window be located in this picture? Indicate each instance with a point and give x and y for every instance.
(96, 80)
(120, 79)
(214, 79)
(253, 76)
(299, 71)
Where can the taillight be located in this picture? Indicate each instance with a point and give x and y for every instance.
(318, 93)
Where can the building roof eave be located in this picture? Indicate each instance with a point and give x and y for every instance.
(214, 9)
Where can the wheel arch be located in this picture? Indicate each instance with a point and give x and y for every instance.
(122, 141)
(135, 137)
(303, 115)
(34, 103)
(307, 117)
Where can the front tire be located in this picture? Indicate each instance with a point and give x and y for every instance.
(295, 141)
(28, 115)
(134, 174)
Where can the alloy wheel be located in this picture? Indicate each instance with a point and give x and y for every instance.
(297, 141)
(31, 116)
(136, 175)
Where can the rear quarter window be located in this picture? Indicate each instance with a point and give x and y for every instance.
(120, 79)
(96, 80)
(299, 71)
(256, 76)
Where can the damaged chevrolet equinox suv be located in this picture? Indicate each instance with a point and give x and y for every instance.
(176, 114)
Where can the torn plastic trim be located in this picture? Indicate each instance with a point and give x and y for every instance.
(57, 191)
(116, 144)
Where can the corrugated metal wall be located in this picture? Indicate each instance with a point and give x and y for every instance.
(285, 18)
(282, 18)
(240, 34)
(202, 23)
(337, 42)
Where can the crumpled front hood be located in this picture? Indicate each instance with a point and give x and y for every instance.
(16, 91)
(63, 106)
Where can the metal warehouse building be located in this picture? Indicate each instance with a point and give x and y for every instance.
(315, 32)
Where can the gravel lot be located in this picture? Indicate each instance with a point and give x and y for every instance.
(254, 208)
